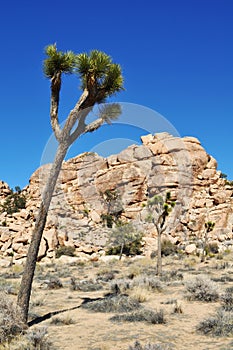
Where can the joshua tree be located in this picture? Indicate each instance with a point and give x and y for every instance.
(114, 207)
(158, 210)
(100, 78)
(209, 226)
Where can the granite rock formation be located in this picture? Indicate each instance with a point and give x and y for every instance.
(162, 163)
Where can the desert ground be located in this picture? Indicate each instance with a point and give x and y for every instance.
(72, 286)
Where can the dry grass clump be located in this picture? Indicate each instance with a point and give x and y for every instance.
(220, 324)
(149, 346)
(62, 321)
(202, 288)
(112, 303)
(11, 322)
(142, 315)
(140, 294)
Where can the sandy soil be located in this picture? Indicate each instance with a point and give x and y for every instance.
(95, 331)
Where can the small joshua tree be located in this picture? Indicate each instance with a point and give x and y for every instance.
(209, 226)
(158, 210)
(114, 207)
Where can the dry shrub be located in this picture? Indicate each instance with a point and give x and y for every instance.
(85, 285)
(220, 324)
(11, 322)
(112, 303)
(202, 288)
(147, 282)
(142, 315)
(138, 346)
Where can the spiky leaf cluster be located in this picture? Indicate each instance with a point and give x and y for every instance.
(161, 206)
(95, 69)
(58, 61)
(209, 226)
(99, 67)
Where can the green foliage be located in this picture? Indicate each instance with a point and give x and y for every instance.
(114, 207)
(98, 66)
(223, 176)
(14, 202)
(212, 248)
(95, 69)
(228, 182)
(58, 61)
(125, 239)
(108, 219)
(110, 111)
(65, 250)
(209, 226)
(168, 248)
(159, 208)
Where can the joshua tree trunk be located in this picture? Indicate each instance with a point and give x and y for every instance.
(121, 251)
(159, 255)
(26, 282)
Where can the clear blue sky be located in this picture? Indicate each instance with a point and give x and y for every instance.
(176, 55)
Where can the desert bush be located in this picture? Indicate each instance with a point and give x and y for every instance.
(168, 248)
(172, 275)
(142, 315)
(224, 278)
(38, 339)
(219, 325)
(202, 288)
(148, 282)
(149, 346)
(227, 301)
(124, 239)
(121, 285)
(14, 202)
(9, 288)
(212, 248)
(11, 322)
(54, 283)
(65, 250)
(105, 276)
(85, 285)
(112, 303)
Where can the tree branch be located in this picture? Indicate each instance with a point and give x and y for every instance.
(54, 104)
